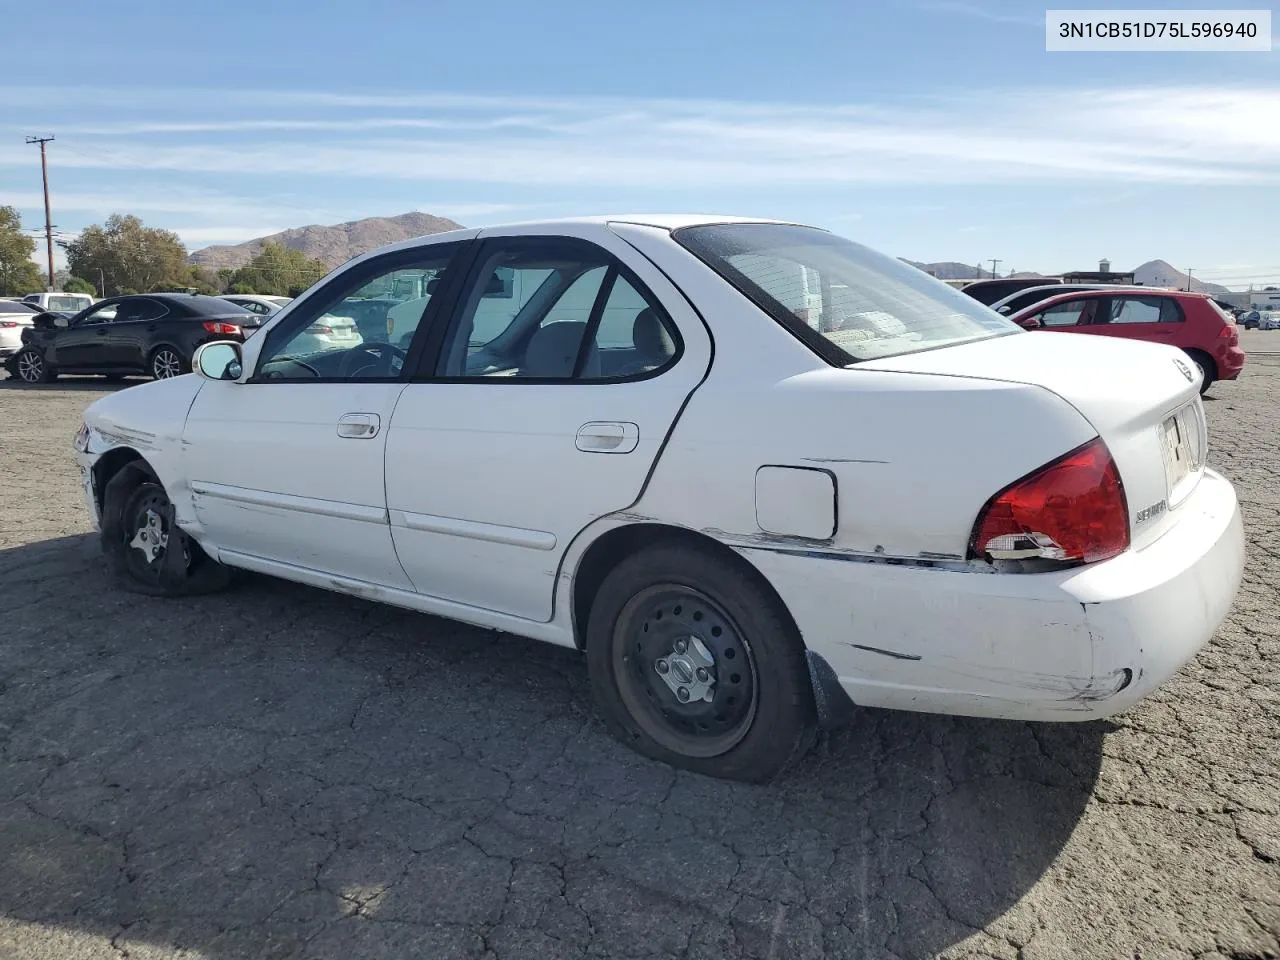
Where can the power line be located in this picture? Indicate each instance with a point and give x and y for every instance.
(48, 217)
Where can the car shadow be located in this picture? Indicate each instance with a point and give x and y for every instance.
(276, 769)
(67, 384)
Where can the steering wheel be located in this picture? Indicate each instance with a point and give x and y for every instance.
(383, 352)
(279, 374)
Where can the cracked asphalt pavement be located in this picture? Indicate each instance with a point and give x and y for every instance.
(279, 772)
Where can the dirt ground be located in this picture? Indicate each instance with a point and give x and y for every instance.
(281, 772)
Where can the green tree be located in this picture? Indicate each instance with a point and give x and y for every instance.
(130, 256)
(241, 288)
(80, 285)
(277, 270)
(18, 274)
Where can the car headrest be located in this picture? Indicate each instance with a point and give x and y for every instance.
(650, 337)
(554, 348)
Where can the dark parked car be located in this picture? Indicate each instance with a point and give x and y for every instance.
(1017, 302)
(989, 291)
(153, 334)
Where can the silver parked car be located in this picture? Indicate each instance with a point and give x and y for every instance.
(262, 306)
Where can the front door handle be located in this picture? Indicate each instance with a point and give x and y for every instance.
(358, 426)
(608, 436)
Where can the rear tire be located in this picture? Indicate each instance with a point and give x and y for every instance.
(1208, 369)
(672, 626)
(31, 367)
(166, 363)
(146, 551)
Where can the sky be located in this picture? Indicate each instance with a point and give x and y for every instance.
(929, 129)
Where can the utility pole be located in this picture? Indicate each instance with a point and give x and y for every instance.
(994, 261)
(48, 217)
(1188, 279)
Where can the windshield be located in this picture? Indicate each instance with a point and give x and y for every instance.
(844, 300)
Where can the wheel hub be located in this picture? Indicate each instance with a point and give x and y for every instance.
(689, 670)
(150, 537)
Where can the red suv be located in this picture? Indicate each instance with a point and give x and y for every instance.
(1191, 321)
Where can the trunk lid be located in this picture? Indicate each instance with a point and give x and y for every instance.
(1142, 398)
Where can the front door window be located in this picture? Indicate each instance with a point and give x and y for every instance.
(361, 325)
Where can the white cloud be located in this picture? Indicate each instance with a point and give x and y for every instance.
(1145, 134)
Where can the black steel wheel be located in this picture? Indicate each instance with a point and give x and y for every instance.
(146, 551)
(694, 662)
(685, 671)
(148, 536)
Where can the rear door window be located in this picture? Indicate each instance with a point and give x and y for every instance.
(143, 308)
(1138, 309)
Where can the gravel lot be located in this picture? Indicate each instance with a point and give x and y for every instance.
(281, 772)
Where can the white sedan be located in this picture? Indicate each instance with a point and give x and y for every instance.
(756, 472)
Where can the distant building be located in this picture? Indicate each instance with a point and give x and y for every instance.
(1268, 299)
(1104, 274)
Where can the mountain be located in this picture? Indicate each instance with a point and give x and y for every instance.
(332, 245)
(947, 269)
(1160, 273)
(1153, 273)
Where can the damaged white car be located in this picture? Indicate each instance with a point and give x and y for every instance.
(755, 471)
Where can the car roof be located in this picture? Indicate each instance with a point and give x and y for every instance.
(197, 303)
(1108, 292)
(1072, 287)
(663, 221)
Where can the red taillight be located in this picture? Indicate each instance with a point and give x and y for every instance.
(1230, 334)
(320, 329)
(8, 324)
(1071, 510)
(213, 326)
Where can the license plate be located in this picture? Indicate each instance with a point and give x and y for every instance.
(342, 333)
(1182, 440)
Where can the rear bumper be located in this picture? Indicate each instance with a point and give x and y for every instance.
(1230, 363)
(1072, 645)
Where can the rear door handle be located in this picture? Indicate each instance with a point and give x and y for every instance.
(608, 436)
(359, 426)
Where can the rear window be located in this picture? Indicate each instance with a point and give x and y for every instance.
(69, 303)
(12, 306)
(203, 306)
(844, 300)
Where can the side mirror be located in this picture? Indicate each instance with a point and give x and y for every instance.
(218, 360)
(61, 322)
(1032, 323)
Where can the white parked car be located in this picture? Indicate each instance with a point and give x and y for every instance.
(14, 317)
(260, 305)
(753, 470)
(60, 302)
